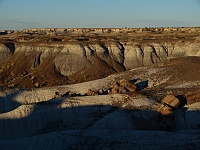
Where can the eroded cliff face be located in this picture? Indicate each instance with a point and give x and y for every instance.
(82, 55)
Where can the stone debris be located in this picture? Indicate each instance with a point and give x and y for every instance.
(118, 87)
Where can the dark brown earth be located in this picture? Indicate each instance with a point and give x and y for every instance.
(17, 73)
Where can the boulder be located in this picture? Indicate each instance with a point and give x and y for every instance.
(171, 100)
(165, 110)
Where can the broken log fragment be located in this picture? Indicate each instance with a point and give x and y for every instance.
(131, 87)
(171, 101)
(91, 93)
(127, 85)
(165, 110)
(115, 84)
(101, 91)
(122, 82)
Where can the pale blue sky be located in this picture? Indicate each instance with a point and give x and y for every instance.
(20, 14)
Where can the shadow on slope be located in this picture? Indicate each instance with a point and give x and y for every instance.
(66, 114)
(7, 103)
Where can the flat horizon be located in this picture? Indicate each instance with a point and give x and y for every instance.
(99, 28)
(23, 14)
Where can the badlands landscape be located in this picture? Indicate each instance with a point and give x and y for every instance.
(109, 88)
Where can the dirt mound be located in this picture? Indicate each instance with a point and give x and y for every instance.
(184, 69)
(19, 71)
(182, 61)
